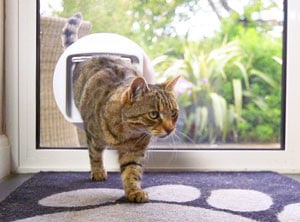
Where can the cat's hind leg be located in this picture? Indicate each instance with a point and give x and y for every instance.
(131, 173)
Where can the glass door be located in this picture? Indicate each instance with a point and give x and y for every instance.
(232, 94)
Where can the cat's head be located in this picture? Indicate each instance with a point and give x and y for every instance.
(151, 108)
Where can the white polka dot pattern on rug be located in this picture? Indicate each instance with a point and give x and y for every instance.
(162, 212)
(84, 197)
(240, 200)
(173, 193)
(290, 213)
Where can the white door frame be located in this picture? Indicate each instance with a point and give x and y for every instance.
(21, 110)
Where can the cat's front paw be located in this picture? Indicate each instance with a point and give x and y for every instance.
(138, 196)
(99, 175)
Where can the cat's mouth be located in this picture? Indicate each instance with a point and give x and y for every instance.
(164, 136)
(162, 133)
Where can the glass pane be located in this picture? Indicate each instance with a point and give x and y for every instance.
(229, 53)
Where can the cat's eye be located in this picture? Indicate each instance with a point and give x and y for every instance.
(174, 113)
(154, 115)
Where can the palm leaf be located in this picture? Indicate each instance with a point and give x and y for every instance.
(244, 73)
(264, 77)
(238, 96)
(219, 110)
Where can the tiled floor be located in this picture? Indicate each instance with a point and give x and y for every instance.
(10, 183)
(294, 176)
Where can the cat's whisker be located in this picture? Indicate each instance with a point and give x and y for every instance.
(141, 138)
(173, 155)
(173, 138)
(185, 136)
(178, 139)
(153, 139)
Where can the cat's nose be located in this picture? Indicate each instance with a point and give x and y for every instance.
(168, 126)
(169, 130)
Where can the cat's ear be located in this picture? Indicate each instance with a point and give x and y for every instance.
(137, 86)
(170, 84)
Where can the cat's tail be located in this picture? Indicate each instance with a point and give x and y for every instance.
(70, 30)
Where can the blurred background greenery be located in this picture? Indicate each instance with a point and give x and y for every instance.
(232, 67)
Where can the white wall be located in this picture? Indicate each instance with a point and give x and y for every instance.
(1, 62)
(4, 145)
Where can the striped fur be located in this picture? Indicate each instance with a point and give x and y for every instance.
(122, 111)
(70, 30)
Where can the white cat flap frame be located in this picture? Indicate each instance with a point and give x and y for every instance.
(86, 47)
(20, 35)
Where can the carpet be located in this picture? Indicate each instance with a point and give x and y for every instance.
(176, 197)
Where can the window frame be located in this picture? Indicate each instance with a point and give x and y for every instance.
(21, 101)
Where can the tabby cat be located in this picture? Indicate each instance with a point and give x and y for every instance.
(122, 111)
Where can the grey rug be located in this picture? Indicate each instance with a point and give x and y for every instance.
(176, 197)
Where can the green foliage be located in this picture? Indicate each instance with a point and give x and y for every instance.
(213, 106)
(105, 16)
(261, 110)
(233, 79)
(260, 126)
(148, 23)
